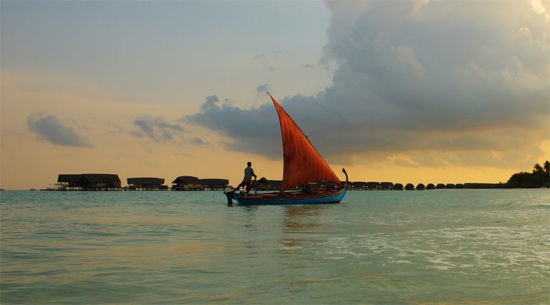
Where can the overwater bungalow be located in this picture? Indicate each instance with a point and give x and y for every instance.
(471, 185)
(358, 185)
(186, 183)
(373, 185)
(420, 187)
(409, 187)
(263, 184)
(88, 182)
(146, 184)
(101, 182)
(386, 185)
(213, 183)
(398, 187)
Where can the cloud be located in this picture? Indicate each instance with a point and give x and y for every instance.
(537, 7)
(156, 129)
(254, 130)
(197, 141)
(49, 128)
(441, 82)
(262, 89)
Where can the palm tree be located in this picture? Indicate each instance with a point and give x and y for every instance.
(537, 168)
(547, 167)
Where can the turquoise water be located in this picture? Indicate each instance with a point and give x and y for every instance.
(377, 247)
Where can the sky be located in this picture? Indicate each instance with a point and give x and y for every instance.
(401, 91)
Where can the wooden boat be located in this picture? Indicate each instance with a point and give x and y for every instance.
(303, 167)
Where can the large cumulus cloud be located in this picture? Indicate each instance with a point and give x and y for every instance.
(254, 130)
(450, 81)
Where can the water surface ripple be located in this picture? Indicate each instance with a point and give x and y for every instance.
(377, 247)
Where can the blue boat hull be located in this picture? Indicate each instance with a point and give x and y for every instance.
(290, 198)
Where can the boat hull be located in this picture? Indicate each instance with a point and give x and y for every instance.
(290, 198)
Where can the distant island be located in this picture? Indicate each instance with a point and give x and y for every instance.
(539, 177)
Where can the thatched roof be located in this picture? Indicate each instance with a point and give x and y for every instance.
(145, 181)
(186, 180)
(70, 178)
(90, 178)
(100, 178)
(214, 181)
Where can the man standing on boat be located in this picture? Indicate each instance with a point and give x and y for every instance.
(247, 180)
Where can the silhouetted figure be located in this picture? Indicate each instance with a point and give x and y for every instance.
(247, 180)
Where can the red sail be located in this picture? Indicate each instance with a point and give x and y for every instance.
(302, 162)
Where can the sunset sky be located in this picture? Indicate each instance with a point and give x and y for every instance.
(401, 91)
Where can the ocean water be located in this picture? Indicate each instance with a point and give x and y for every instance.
(376, 247)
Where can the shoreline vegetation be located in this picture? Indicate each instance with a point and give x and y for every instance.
(539, 177)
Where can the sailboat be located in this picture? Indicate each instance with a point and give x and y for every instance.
(303, 167)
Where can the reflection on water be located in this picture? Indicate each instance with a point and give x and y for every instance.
(304, 218)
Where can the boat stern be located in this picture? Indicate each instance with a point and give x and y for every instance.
(229, 193)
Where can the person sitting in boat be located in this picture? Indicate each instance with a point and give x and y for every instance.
(247, 180)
